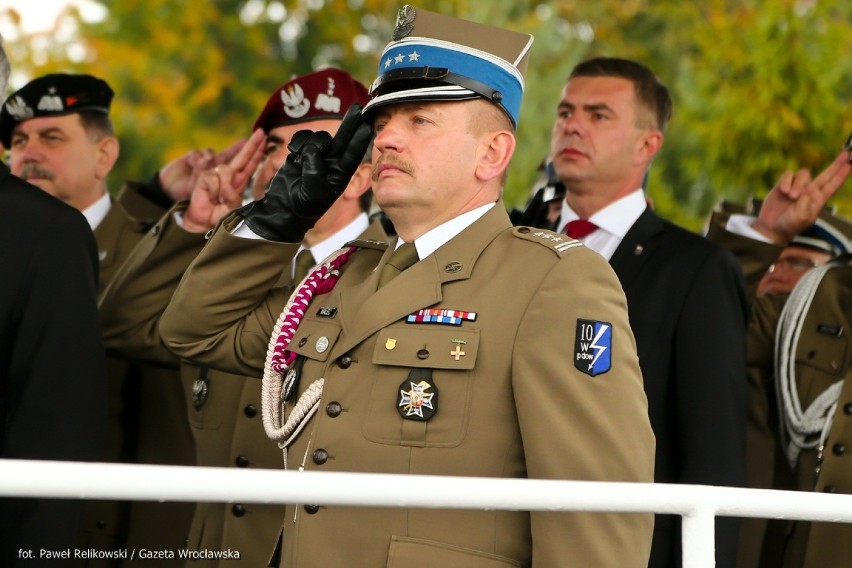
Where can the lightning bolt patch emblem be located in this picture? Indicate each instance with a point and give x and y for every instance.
(593, 347)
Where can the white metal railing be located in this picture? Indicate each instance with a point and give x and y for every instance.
(697, 504)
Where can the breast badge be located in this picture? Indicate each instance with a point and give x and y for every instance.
(593, 347)
(326, 312)
(457, 353)
(291, 379)
(418, 396)
(200, 388)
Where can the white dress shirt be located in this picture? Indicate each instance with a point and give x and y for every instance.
(613, 222)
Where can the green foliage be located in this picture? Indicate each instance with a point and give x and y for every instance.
(759, 87)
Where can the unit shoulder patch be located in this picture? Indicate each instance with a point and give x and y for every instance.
(593, 347)
(558, 243)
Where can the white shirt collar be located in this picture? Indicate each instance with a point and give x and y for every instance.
(435, 238)
(348, 233)
(616, 218)
(96, 212)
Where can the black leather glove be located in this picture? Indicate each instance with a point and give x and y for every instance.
(316, 172)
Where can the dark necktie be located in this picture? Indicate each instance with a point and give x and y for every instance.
(304, 262)
(402, 258)
(579, 228)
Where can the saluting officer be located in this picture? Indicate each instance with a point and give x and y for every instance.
(224, 408)
(799, 367)
(494, 351)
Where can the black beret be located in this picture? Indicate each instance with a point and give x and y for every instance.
(53, 95)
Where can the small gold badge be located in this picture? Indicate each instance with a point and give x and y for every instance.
(457, 353)
(390, 344)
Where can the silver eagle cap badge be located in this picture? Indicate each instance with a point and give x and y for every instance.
(404, 22)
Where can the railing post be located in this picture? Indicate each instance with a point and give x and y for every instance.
(699, 538)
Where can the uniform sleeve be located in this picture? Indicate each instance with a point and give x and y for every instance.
(762, 408)
(145, 200)
(582, 419)
(224, 309)
(139, 292)
(755, 257)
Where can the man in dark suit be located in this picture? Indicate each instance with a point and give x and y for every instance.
(685, 295)
(61, 139)
(52, 366)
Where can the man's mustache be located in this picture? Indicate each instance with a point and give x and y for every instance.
(35, 171)
(401, 165)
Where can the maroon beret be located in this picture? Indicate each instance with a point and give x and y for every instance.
(319, 95)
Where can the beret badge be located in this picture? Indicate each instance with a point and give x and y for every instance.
(17, 107)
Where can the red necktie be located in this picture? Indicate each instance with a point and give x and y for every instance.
(579, 228)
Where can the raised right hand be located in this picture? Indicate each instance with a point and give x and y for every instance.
(314, 175)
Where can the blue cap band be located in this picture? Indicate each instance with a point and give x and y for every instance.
(482, 70)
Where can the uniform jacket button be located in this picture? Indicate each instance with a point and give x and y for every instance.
(250, 410)
(242, 461)
(423, 354)
(320, 456)
(847, 409)
(311, 509)
(303, 341)
(238, 510)
(344, 361)
(838, 449)
(333, 409)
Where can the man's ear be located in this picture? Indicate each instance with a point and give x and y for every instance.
(649, 145)
(496, 155)
(359, 184)
(107, 154)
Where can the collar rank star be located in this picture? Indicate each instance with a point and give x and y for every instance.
(418, 396)
(593, 347)
(446, 317)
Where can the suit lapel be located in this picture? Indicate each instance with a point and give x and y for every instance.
(637, 247)
(420, 286)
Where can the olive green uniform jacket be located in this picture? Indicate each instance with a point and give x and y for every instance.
(145, 422)
(823, 356)
(223, 409)
(514, 404)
